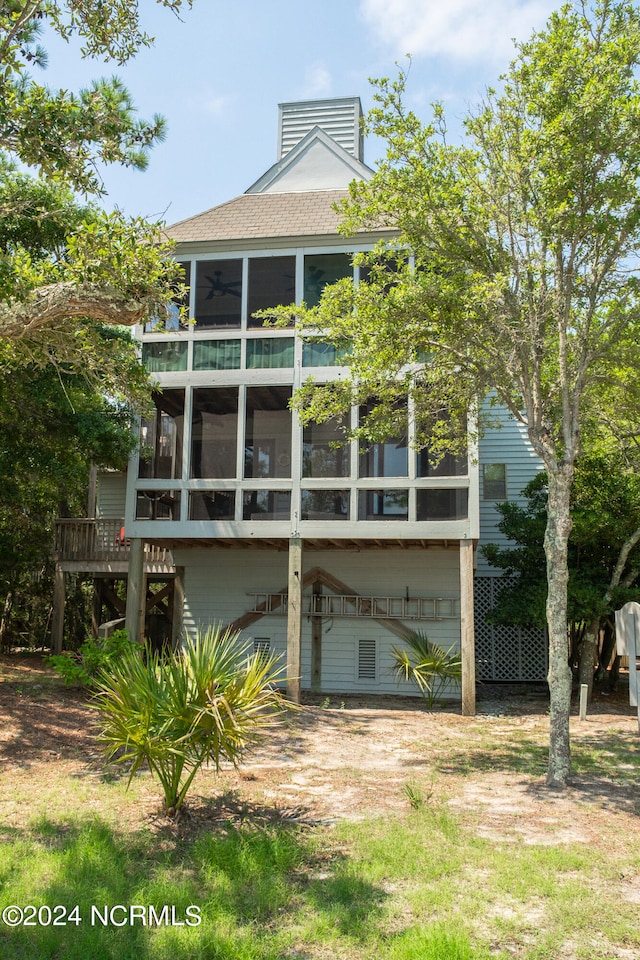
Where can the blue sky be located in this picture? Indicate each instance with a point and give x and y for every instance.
(218, 73)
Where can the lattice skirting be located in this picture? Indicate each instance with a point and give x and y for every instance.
(505, 653)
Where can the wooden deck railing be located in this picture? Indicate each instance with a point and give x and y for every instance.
(100, 540)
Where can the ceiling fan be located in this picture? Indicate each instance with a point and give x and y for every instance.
(220, 288)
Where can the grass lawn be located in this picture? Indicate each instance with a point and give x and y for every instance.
(414, 837)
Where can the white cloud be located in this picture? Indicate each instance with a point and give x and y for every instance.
(464, 30)
(318, 81)
(213, 104)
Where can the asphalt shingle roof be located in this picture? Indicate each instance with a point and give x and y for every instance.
(255, 216)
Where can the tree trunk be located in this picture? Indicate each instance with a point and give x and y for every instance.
(555, 547)
(4, 620)
(588, 649)
(614, 673)
(606, 651)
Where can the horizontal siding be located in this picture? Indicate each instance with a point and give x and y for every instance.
(112, 495)
(340, 119)
(505, 443)
(219, 585)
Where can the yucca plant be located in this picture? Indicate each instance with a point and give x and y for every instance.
(426, 664)
(203, 703)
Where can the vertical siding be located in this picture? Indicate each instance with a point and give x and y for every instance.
(219, 585)
(112, 494)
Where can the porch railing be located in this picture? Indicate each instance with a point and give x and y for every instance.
(100, 540)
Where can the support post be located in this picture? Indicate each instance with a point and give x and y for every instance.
(93, 492)
(136, 591)
(584, 696)
(467, 638)
(178, 608)
(57, 620)
(316, 643)
(294, 619)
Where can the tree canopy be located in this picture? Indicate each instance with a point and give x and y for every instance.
(519, 282)
(54, 424)
(603, 557)
(71, 275)
(111, 268)
(63, 263)
(62, 133)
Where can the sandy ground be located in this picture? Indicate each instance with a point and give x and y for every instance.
(345, 757)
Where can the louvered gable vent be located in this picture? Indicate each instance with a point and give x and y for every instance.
(340, 119)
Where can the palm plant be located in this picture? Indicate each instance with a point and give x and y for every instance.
(203, 703)
(428, 665)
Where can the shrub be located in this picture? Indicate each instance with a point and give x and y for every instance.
(203, 703)
(426, 664)
(93, 657)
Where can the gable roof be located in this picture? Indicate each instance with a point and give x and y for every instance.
(316, 162)
(296, 196)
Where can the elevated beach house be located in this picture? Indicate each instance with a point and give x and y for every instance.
(233, 512)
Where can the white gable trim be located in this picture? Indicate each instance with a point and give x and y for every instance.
(316, 163)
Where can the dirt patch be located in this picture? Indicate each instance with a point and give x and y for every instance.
(353, 757)
(41, 719)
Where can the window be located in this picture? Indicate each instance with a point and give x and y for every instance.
(321, 269)
(219, 293)
(161, 437)
(442, 504)
(214, 432)
(325, 504)
(172, 321)
(174, 317)
(158, 505)
(324, 451)
(494, 481)
(216, 355)
(388, 458)
(164, 357)
(387, 267)
(383, 505)
(450, 429)
(272, 352)
(268, 432)
(449, 465)
(212, 505)
(266, 505)
(272, 282)
(315, 353)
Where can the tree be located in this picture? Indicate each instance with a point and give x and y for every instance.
(523, 599)
(66, 400)
(55, 423)
(524, 289)
(603, 557)
(69, 273)
(64, 263)
(113, 269)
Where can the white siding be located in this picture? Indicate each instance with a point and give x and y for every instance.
(219, 585)
(340, 119)
(508, 444)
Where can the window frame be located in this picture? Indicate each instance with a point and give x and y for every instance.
(486, 482)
